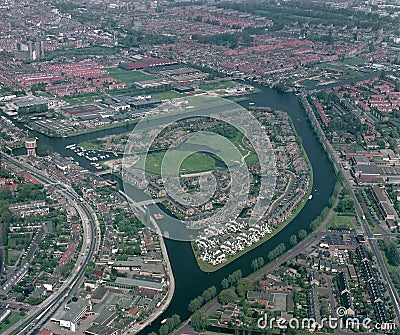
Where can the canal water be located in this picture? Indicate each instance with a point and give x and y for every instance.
(189, 279)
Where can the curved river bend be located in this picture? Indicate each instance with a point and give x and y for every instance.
(190, 281)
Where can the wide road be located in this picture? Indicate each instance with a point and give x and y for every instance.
(91, 243)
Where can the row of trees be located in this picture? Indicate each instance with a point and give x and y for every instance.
(347, 205)
(136, 38)
(287, 12)
(257, 263)
(199, 321)
(232, 279)
(25, 192)
(276, 252)
(171, 324)
(206, 296)
(392, 252)
(230, 40)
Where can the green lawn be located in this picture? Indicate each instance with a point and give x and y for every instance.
(94, 50)
(19, 240)
(239, 99)
(194, 163)
(230, 152)
(12, 319)
(167, 95)
(217, 85)
(13, 256)
(229, 149)
(4, 90)
(128, 77)
(341, 222)
(353, 61)
(91, 144)
(309, 82)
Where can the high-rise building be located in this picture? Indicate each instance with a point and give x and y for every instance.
(30, 50)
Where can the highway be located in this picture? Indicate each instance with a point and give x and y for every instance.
(90, 245)
(394, 296)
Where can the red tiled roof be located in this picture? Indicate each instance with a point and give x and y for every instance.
(134, 311)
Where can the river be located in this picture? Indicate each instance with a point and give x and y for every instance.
(190, 281)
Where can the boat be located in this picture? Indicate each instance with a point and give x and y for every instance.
(310, 197)
(163, 321)
(251, 103)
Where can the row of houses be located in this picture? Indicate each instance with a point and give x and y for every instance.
(220, 241)
(344, 291)
(31, 208)
(372, 287)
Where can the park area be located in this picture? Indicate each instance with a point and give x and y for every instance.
(206, 152)
(341, 222)
(128, 77)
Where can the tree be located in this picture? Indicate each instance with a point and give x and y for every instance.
(164, 330)
(293, 240)
(346, 204)
(257, 263)
(199, 321)
(172, 323)
(195, 304)
(44, 150)
(277, 251)
(381, 143)
(226, 296)
(302, 234)
(232, 279)
(175, 321)
(225, 283)
(243, 286)
(392, 253)
(209, 293)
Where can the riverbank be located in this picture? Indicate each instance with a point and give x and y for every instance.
(301, 247)
(167, 263)
(207, 267)
(189, 279)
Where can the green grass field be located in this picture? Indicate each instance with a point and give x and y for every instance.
(217, 85)
(167, 95)
(13, 256)
(94, 50)
(353, 61)
(194, 163)
(230, 152)
(340, 222)
(128, 77)
(229, 149)
(91, 145)
(19, 240)
(12, 319)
